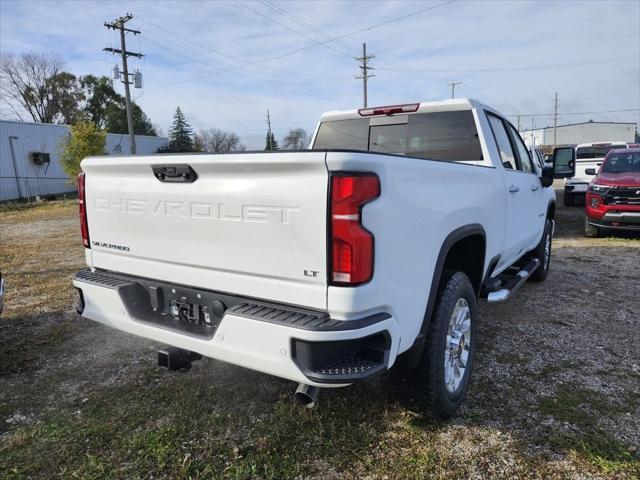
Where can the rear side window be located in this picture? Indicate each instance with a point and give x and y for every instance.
(502, 141)
(449, 136)
(444, 136)
(343, 134)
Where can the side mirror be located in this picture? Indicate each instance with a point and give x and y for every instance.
(546, 179)
(564, 162)
(590, 171)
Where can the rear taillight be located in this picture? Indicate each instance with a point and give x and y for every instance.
(351, 260)
(84, 228)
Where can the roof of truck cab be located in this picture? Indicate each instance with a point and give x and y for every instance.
(434, 106)
(601, 144)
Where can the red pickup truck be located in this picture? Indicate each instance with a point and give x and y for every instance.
(613, 198)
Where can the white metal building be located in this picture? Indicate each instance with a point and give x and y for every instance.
(586, 132)
(29, 157)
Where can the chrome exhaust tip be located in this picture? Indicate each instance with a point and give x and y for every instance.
(306, 395)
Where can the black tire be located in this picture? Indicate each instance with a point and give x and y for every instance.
(568, 199)
(590, 231)
(440, 401)
(543, 252)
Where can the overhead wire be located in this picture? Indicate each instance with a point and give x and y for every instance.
(218, 69)
(248, 63)
(316, 43)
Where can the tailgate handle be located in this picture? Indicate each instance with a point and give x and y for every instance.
(174, 173)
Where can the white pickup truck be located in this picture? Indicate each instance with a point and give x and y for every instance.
(589, 157)
(323, 266)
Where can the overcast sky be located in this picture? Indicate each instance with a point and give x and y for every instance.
(225, 62)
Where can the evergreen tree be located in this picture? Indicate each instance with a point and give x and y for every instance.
(180, 135)
(271, 143)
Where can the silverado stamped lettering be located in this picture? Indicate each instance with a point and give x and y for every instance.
(204, 210)
(113, 246)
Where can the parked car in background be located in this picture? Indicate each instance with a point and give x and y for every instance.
(538, 156)
(613, 199)
(322, 266)
(588, 156)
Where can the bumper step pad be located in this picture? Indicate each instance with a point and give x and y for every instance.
(351, 367)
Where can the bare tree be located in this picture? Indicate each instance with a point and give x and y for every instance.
(218, 141)
(158, 128)
(37, 85)
(296, 139)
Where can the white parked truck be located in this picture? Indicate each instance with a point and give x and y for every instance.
(589, 157)
(324, 266)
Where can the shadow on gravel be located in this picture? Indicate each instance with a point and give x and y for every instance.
(29, 340)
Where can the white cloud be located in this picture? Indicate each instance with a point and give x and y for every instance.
(459, 41)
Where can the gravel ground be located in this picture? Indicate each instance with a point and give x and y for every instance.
(555, 394)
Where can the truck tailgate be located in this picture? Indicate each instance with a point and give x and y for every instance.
(252, 224)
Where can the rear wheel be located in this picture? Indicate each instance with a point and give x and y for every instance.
(543, 253)
(590, 231)
(447, 360)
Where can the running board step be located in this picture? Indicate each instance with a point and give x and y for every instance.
(513, 282)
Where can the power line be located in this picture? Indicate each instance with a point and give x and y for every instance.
(306, 25)
(324, 44)
(248, 63)
(334, 39)
(219, 69)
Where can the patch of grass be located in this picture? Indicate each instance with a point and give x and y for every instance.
(511, 359)
(23, 211)
(190, 430)
(582, 407)
(550, 369)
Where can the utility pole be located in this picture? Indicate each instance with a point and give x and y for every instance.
(533, 138)
(364, 67)
(118, 24)
(518, 123)
(555, 122)
(269, 144)
(453, 88)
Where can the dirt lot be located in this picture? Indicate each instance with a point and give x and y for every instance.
(556, 392)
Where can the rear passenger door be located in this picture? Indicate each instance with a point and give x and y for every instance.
(517, 185)
(533, 189)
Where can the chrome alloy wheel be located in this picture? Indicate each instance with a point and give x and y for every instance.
(456, 352)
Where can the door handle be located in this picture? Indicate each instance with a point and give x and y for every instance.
(534, 188)
(513, 189)
(174, 173)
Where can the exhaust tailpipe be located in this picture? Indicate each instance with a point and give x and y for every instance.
(306, 395)
(174, 358)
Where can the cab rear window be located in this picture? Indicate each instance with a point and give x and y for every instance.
(449, 136)
(596, 151)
